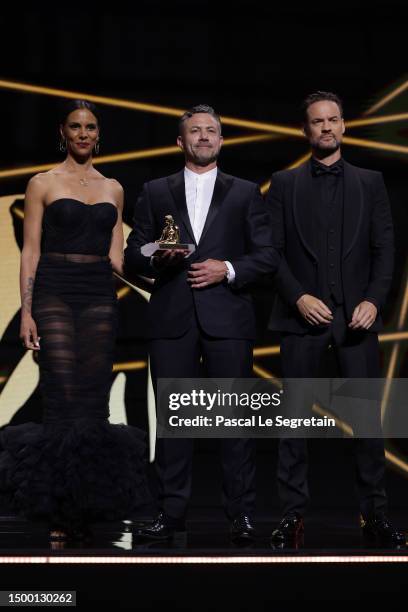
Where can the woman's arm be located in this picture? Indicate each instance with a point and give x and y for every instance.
(116, 248)
(33, 213)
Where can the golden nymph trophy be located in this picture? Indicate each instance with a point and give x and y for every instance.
(169, 239)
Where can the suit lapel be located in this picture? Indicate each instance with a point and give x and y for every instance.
(222, 185)
(178, 190)
(352, 207)
(303, 206)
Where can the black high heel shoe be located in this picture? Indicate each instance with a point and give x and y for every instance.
(58, 534)
(74, 533)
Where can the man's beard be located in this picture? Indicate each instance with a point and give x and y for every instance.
(204, 160)
(323, 149)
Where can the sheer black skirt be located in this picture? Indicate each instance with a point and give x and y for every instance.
(76, 466)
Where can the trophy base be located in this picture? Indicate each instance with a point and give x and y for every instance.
(152, 247)
(165, 246)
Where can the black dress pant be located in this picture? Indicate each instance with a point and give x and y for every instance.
(186, 357)
(357, 353)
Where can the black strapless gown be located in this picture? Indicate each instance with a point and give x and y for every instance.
(76, 467)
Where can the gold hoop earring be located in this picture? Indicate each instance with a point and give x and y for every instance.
(63, 146)
(96, 147)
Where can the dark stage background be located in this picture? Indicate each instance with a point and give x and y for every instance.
(252, 62)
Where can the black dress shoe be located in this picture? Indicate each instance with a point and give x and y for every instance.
(289, 531)
(380, 530)
(242, 529)
(162, 528)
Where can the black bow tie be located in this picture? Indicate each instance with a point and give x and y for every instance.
(320, 170)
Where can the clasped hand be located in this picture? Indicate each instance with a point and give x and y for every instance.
(314, 310)
(200, 274)
(206, 273)
(364, 316)
(317, 313)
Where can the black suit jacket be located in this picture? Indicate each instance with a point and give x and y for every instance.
(237, 229)
(367, 243)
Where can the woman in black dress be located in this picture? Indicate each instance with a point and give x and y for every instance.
(76, 467)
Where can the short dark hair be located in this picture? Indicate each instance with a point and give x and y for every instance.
(199, 108)
(319, 96)
(70, 106)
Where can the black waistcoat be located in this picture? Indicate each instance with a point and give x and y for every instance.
(328, 231)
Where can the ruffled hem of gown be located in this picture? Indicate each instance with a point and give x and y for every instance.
(83, 471)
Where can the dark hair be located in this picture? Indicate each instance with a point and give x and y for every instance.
(199, 108)
(72, 105)
(319, 96)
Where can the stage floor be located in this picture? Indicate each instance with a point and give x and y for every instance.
(324, 538)
(201, 570)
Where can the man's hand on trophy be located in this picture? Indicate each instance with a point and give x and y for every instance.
(207, 273)
(168, 257)
(314, 310)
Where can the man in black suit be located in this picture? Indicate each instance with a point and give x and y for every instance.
(200, 308)
(332, 225)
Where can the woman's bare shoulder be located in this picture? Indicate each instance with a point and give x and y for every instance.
(115, 185)
(44, 179)
(38, 183)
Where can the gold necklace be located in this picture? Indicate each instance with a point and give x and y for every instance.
(84, 182)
